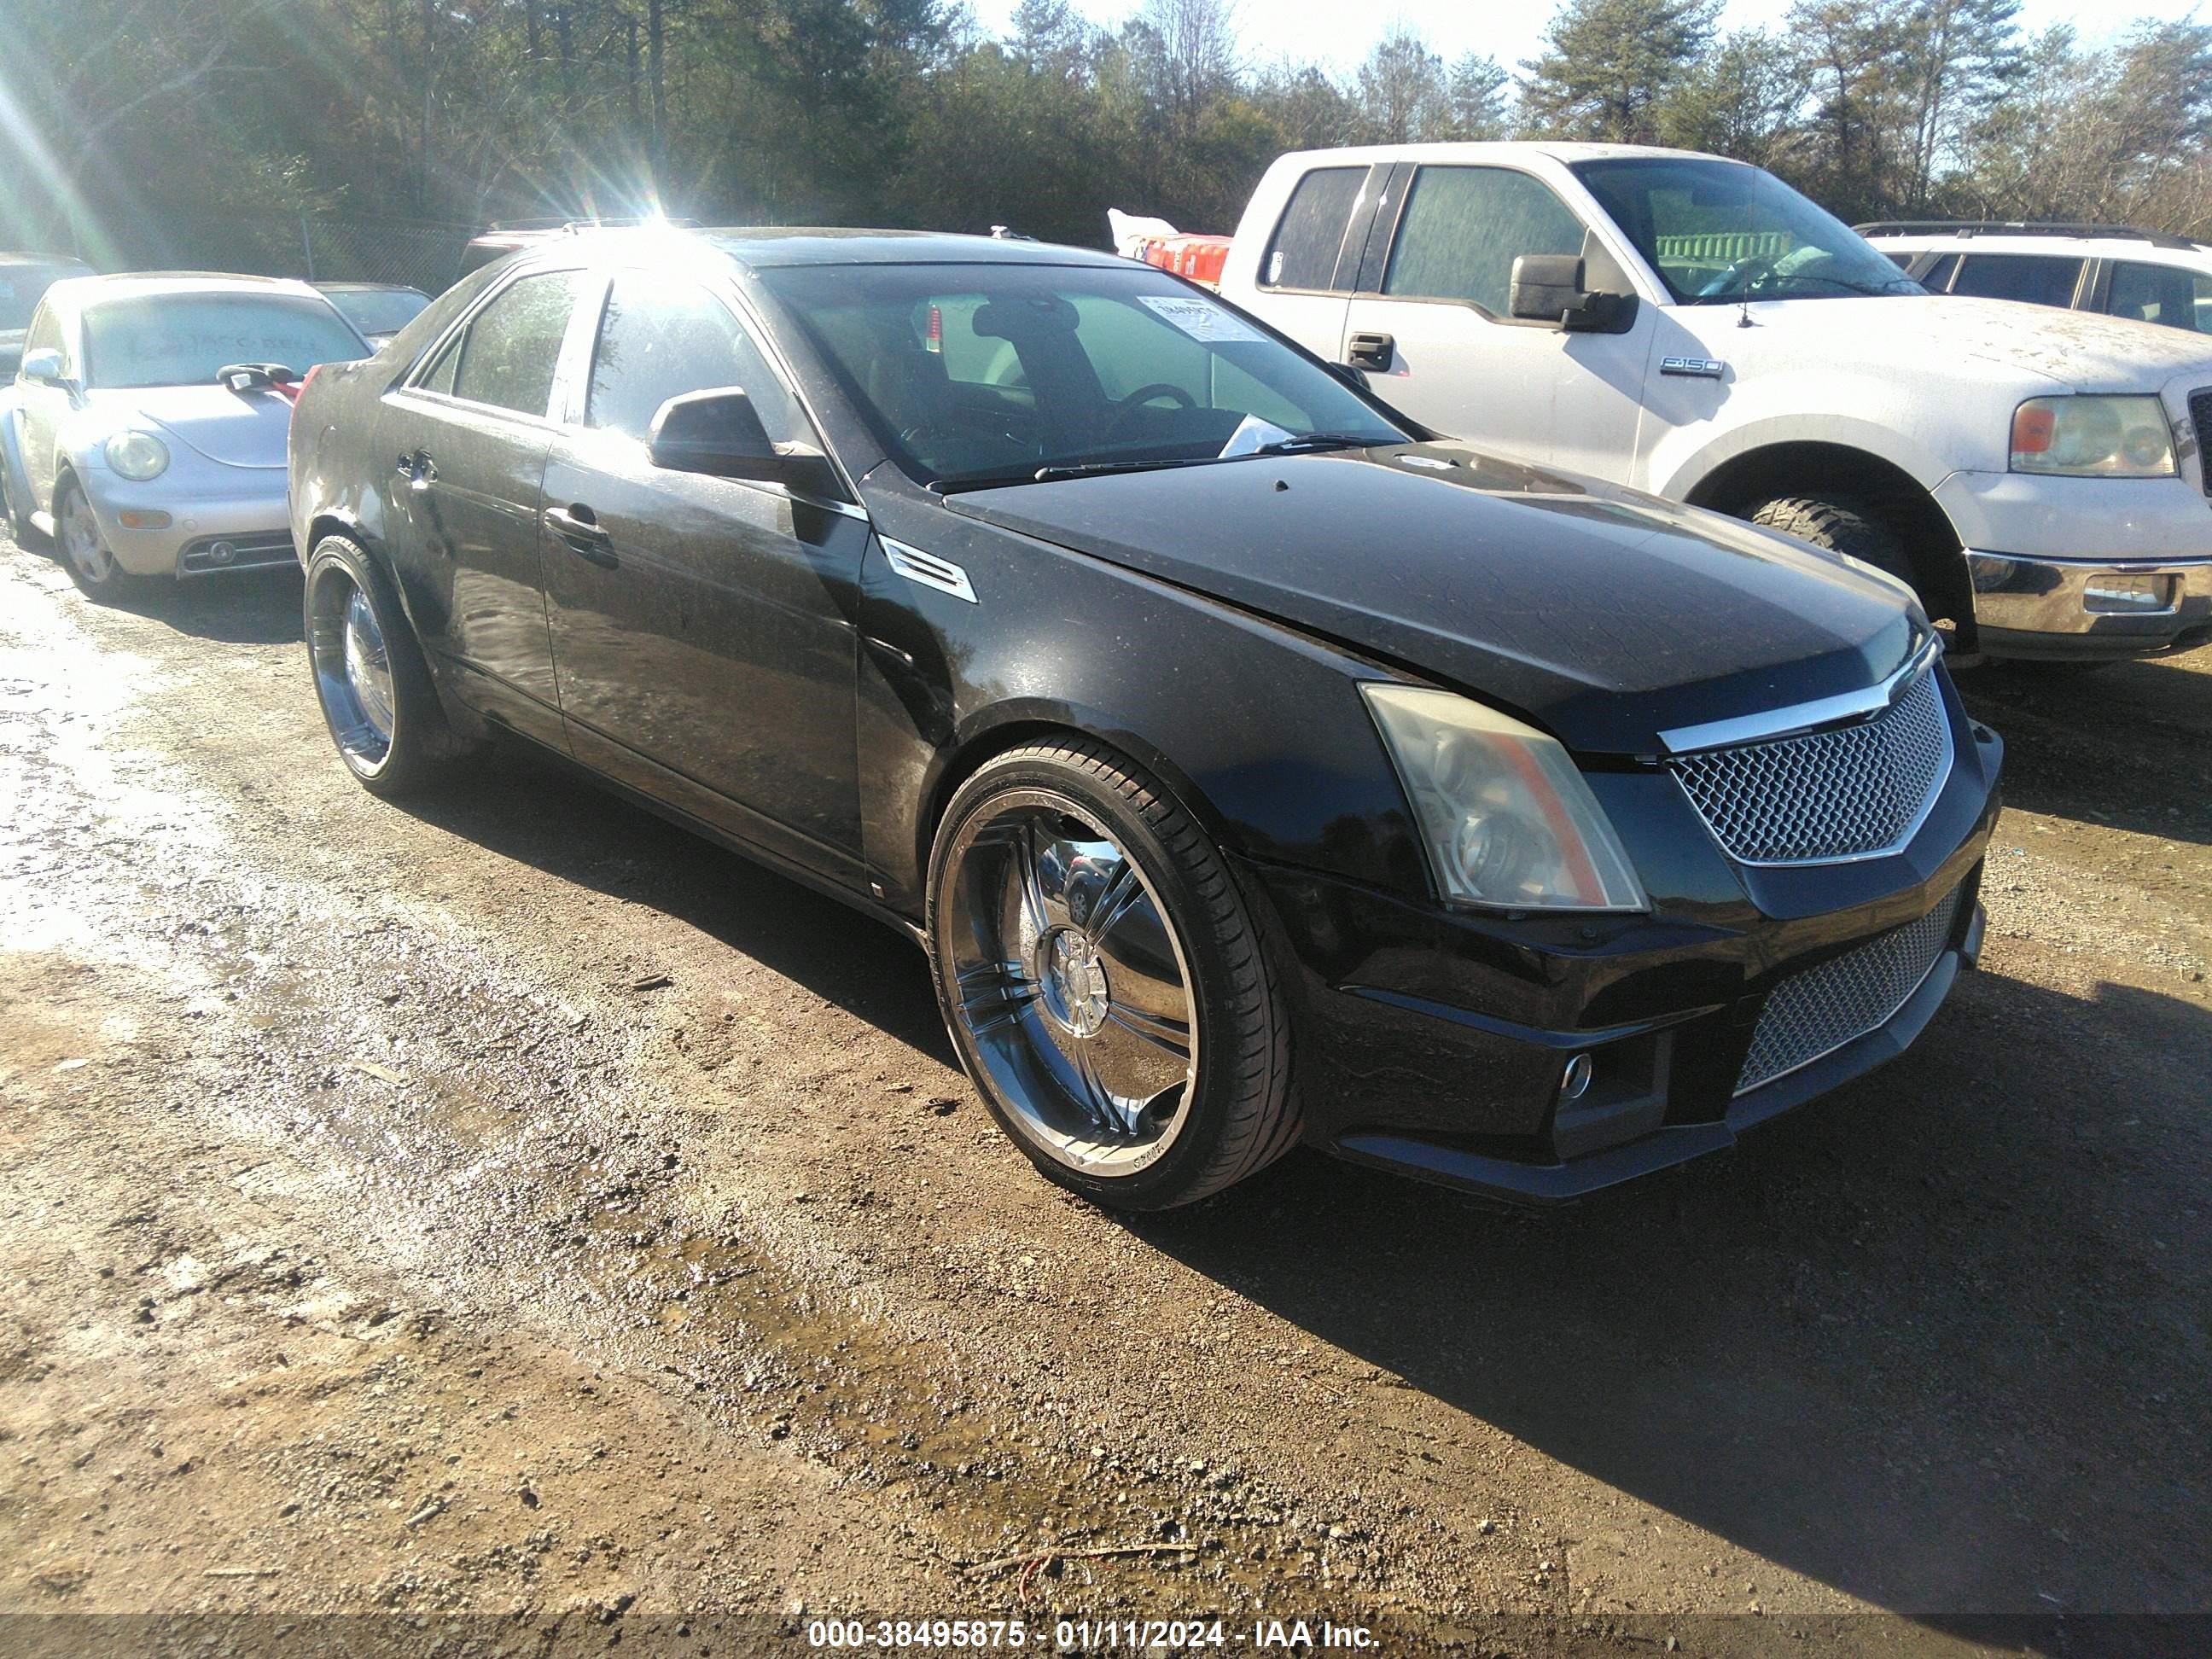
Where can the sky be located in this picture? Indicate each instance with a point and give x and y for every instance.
(1339, 33)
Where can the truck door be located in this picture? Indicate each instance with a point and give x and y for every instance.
(1311, 262)
(1436, 334)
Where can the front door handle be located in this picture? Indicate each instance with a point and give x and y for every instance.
(1371, 351)
(580, 531)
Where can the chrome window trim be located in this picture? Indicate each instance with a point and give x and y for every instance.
(1798, 719)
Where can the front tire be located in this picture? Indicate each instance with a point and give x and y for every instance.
(1104, 981)
(84, 550)
(1842, 524)
(370, 676)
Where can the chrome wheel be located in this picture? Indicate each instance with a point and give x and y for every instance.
(1070, 981)
(353, 669)
(81, 541)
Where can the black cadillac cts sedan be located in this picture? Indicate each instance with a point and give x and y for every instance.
(1255, 767)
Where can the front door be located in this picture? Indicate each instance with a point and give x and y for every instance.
(470, 438)
(1457, 359)
(702, 627)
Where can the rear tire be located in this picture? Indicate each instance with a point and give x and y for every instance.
(83, 550)
(1104, 981)
(371, 677)
(1841, 524)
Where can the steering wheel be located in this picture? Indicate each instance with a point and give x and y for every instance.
(1743, 275)
(1125, 407)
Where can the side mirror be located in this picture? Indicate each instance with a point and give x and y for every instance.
(44, 366)
(718, 433)
(1547, 288)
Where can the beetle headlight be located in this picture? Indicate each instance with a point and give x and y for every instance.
(1505, 816)
(2093, 437)
(137, 456)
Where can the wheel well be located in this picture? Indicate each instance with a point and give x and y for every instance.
(1760, 474)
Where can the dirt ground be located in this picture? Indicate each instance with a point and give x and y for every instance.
(523, 1228)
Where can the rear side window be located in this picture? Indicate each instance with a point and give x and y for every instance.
(2167, 295)
(509, 355)
(2037, 280)
(1464, 227)
(1304, 252)
(660, 340)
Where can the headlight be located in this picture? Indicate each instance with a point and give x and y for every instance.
(2093, 437)
(1505, 816)
(137, 456)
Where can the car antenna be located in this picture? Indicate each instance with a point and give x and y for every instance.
(1743, 304)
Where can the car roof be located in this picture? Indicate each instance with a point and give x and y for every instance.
(2157, 251)
(80, 291)
(16, 256)
(370, 288)
(1505, 150)
(760, 247)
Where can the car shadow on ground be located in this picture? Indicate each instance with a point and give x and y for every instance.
(256, 607)
(1938, 1341)
(2120, 748)
(536, 809)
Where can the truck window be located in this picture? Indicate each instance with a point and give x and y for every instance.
(1938, 277)
(1303, 251)
(2034, 278)
(2162, 294)
(1464, 227)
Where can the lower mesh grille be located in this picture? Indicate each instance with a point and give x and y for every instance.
(1819, 1010)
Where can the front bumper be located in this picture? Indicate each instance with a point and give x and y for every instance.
(244, 513)
(1436, 1043)
(2086, 608)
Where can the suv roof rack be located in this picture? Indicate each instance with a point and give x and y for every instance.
(2015, 228)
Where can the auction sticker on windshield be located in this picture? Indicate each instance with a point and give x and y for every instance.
(1201, 319)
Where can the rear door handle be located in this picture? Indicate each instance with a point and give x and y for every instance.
(579, 529)
(418, 469)
(1371, 350)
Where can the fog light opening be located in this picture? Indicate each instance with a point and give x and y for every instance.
(1575, 1081)
(2112, 592)
(222, 553)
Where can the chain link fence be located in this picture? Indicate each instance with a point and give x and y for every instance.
(420, 253)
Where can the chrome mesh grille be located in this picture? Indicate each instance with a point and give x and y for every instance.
(1819, 1010)
(2200, 419)
(1833, 794)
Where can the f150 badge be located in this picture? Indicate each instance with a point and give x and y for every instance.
(1706, 369)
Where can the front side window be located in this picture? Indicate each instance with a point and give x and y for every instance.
(1720, 232)
(1463, 227)
(2170, 295)
(45, 333)
(2033, 278)
(661, 339)
(186, 339)
(969, 372)
(1305, 250)
(509, 356)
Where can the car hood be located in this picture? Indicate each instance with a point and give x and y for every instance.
(238, 428)
(2084, 350)
(1605, 615)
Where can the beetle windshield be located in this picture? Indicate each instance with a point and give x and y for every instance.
(979, 371)
(379, 310)
(186, 339)
(1719, 232)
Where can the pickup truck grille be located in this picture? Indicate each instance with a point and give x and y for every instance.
(1849, 792)
(1816, 1012)
(2200, 419)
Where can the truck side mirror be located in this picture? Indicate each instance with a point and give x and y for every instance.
(1547, 288)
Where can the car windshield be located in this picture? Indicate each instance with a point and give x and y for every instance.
(1719, 232)
(379, 310)
(980, 372)
(186, 339)
(22, 285)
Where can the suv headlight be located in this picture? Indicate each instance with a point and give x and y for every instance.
(1506, 816)
(2093, 437)
(137, 456)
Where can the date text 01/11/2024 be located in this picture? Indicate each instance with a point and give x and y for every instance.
(1087, 1636)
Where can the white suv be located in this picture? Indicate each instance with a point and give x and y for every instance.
(2136, 274)
(1694, 327)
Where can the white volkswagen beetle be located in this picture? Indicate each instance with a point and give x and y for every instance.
(146, 427)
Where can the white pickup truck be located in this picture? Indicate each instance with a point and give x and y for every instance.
(1694, 327)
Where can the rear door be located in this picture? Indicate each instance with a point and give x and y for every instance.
(1311, 263)
(1451, 355)
(702, 627)
(470, 436)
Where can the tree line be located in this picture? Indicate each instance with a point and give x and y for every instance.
(119, 115)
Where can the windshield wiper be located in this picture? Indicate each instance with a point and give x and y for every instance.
(1307, 440)
(1738, 295)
